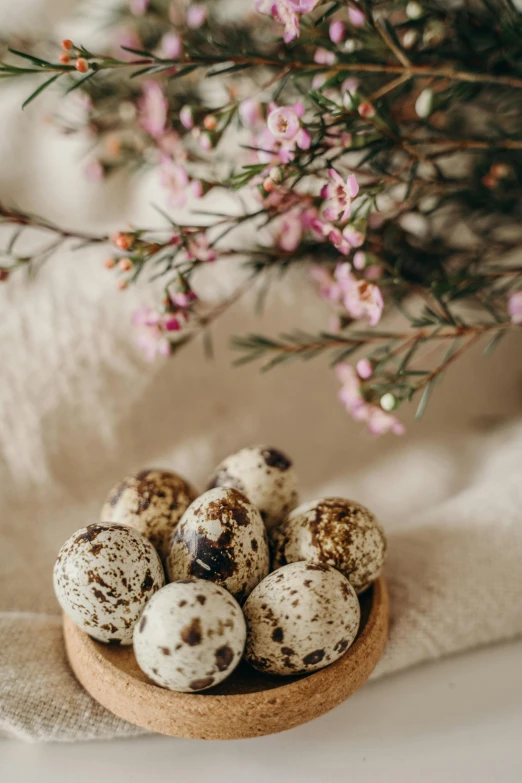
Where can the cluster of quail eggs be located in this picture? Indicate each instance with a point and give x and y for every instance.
(197, 583)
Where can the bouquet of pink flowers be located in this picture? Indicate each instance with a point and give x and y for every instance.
(365, 138)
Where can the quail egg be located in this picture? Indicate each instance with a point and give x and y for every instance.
(103, 577)
(336, 532)
(152, 501)
(190, 636)
(266, 476)
(221, 537)
(301, 618)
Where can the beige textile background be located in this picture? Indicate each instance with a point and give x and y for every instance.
(80, 408)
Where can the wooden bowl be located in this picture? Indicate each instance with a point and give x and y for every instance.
(248, 704)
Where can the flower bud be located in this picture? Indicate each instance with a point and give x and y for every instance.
(67, 44)
(65, 58)
(388, 402)
(125, 264)
(81, 65)
(4, 274)
(424, 105)
(336, 31)
(414, 10)
(210, 122)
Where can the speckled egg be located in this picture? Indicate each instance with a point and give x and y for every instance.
(221, 537)
(103, 577)
(302, 617)
(266, 476)
(151, 501)
(190, 636)
(336, 532)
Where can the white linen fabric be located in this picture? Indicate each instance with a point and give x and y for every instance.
(80, 408)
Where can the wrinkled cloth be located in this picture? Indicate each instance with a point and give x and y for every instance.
(80, 408)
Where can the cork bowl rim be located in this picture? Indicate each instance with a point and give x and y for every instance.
(247, 704)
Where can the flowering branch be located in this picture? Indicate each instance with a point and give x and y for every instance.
(360, 140)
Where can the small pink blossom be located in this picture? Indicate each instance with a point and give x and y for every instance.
(336, 31)
(303, 139)
(336, 238)
(286, 12)
(150, 337)
(183, 298)
(171, 47)
(174, 177)
(196, 188)
(324, 56)
(356, 17)
(171, 323)
(186, 117)
(328, 287)
(339, 195)
(284, 123)
(290, 232)
(364, 369)
(362, 299)
(196, 16)
(359, 260)
(199, 249)
(250, 112)
(205, 142)
(378, 421)
(515, 307)
(353, 236)
(153, 108)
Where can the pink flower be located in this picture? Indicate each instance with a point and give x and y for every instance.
(284, 123)
(286, 12)
(183, 298)
(379, 422)
(174, 177)
(303, 139)
(186, 117)
(153, 108)
(356, 17)
(353, 236)
(362, 299)
(250, 112)
(200, 249)
(366, 110)
(336, 31)
(328, 287)
(196, 16)
(339, 195)
(290, 232)
(324, 56)
(359, 260)
(150, 337)
(171, 47)
(515, 307)
(364, 369)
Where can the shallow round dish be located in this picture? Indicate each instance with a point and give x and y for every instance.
(248, 704)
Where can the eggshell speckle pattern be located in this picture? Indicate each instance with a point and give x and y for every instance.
(221, 537)
(301, 618)
(336, 532)
(103, 577)
(190, 636)
(266, 476)
(151, 501)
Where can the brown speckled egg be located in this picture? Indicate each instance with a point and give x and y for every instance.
(302, 617)
(190, 636)
(336, 532)
(103, 577)
(221, 537)
(151, 501)
(266, 476)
